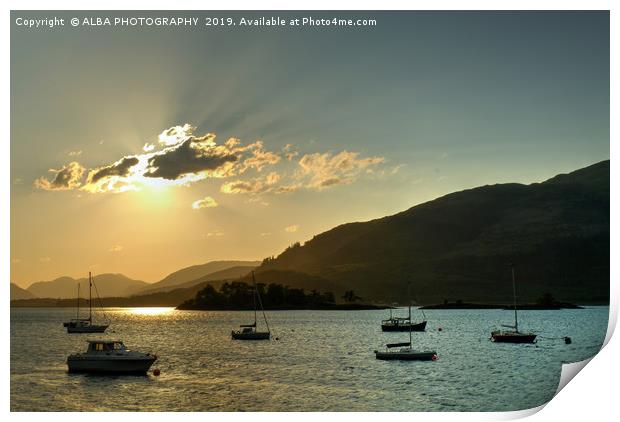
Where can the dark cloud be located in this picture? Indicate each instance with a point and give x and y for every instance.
(120, 168)
(191, 156)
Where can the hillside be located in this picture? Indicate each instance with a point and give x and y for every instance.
(199, 273)
(108, 285)
(460, 246)
(226, 274)
(18, 293)
(170, 298)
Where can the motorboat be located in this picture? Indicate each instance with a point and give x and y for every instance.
(249, 331)
(110, 357)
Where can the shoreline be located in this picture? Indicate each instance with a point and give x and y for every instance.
(524, 307)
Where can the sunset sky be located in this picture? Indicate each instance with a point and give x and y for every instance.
(144, 150)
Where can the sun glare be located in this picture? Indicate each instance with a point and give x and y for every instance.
(150, 311)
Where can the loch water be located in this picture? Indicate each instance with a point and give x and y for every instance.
(323, 361)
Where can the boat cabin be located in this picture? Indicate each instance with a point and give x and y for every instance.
(105, 346)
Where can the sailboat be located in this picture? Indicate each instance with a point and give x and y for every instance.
(249, 331)
(405, 351)
(514, 335)
(85, 325)
(403, 323)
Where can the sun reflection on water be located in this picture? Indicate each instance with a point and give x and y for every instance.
(150, 311)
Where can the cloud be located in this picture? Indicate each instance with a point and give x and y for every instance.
(292, 228)
(183, 159)
(199, 156)
(119, 168)
(316, 171)
(45, 259)
(15, 260)
(68, 177)
(176, 134)
(254, 186)
(260, 158)
(257, 200)
(112, 177)
(115, 248)
(206, 202)
(75, 153)
(320, 171)
(180, 157)
(290, 152)
(264, 234)
(214, 234)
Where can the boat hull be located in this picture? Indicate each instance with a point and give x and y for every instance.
(517, 338)
(236, 335)
(77, 329)
(421, 326)
(427, 355)
(129, 366)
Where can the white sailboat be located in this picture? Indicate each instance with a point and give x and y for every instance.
(85, 325)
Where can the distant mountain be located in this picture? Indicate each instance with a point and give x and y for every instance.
(460, 246)
(177, 296)
(107, 285)
(170, 298)
(199, 273)
(19, 293)
(228, 274)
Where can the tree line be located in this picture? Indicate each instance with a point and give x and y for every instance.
(240, 296)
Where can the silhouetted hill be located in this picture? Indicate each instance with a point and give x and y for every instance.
(19, 293)
(460, 246)
(108, 285)
(198, 272)
(170, 298)
(231, 273)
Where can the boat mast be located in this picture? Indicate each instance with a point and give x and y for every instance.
(90, 299)
(77, 315)
(254, 293)
(514, 296)
(260, 302)
(408, 299)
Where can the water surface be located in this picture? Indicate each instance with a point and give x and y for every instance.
(323, 361)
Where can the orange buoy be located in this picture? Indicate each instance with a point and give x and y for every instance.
(156, 372)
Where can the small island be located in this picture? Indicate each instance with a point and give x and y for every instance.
(238, 296)
(544, 303)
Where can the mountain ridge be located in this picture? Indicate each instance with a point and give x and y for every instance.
(107, 285)
(460, 245)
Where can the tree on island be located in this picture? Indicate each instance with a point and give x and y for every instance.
(350, 297)
(546, 299)
(240, 295)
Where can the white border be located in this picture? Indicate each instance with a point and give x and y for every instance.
(591, 395)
